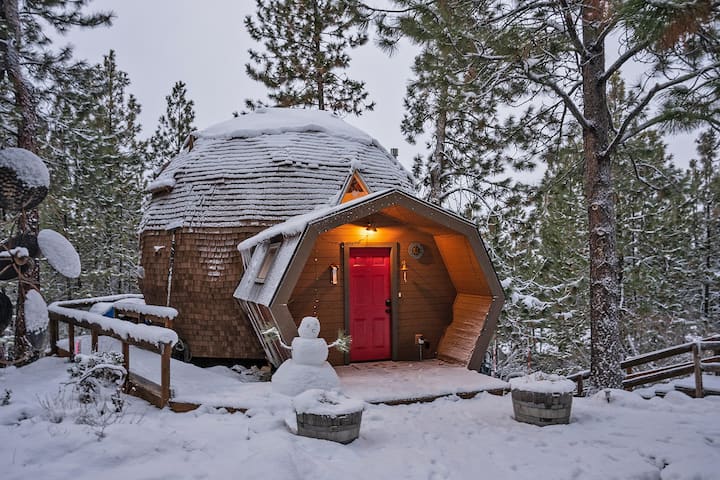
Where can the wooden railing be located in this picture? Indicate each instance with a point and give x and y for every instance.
(696, 366)
(145, 314)
(578, 378)
(147, 337)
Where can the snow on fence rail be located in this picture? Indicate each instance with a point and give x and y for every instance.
(84, 302)
(147, 337)
(696, 366)
(122, 330)
(143, 309)
(131, 309)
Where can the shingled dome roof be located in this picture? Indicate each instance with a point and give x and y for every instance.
(265, 167)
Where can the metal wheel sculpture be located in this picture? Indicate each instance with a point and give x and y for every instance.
(24, 183)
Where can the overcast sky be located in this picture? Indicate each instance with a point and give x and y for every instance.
(204, 44)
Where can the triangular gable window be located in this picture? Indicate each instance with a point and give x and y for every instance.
(355, 187)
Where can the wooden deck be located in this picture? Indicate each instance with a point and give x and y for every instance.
(391, 383)
(396, 383)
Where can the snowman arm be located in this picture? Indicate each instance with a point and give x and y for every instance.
(342, 343)
(273, 334)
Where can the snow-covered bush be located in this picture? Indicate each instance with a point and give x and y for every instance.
(99, 378)
(93, 396)
(5, 398)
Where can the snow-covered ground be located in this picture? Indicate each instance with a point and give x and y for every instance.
(628, 438)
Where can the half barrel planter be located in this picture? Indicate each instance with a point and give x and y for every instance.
(541, 399)
(328, 415)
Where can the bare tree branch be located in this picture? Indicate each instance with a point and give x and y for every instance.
(659, 87)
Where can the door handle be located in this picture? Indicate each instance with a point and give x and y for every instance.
(388, 302)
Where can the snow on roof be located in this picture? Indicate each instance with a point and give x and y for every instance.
(28, 167)
(296, 225)
(164, 183)
(289, 162)
(270, 121)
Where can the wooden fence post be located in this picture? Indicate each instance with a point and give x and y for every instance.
(126, 362)
(71, 340)
(54, 335)
(165, 351)
(698, 371)
(94, 340)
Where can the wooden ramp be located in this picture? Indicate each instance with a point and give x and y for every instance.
(469, 314)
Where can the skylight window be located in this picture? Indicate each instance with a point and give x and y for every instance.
(267, 262)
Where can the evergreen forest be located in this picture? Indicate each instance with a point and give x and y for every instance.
(611, 250)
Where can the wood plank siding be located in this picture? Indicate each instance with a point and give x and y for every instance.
(207, 268)
(425, 304)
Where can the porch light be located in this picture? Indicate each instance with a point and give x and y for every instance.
(333, 274)
(404, 269)
(371, 227)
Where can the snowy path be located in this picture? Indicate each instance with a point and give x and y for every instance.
(628, 438)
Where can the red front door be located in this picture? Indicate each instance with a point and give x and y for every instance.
(369, 304)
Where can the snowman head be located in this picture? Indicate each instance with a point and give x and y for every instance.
(309, 327)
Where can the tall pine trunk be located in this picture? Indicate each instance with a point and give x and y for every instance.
(605, 348)
(317, 44)
(437, 165)
(26, 138)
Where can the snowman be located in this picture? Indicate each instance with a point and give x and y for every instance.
(308, 368)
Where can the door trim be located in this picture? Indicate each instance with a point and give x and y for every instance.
(394, 285)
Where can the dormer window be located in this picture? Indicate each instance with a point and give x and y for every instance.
(355, 188)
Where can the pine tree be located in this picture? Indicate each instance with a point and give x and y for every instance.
(306, 45)
(173, 128)
(465, 160)
(554, 54)
(705, 193)
(561, 229)
(98, 204)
